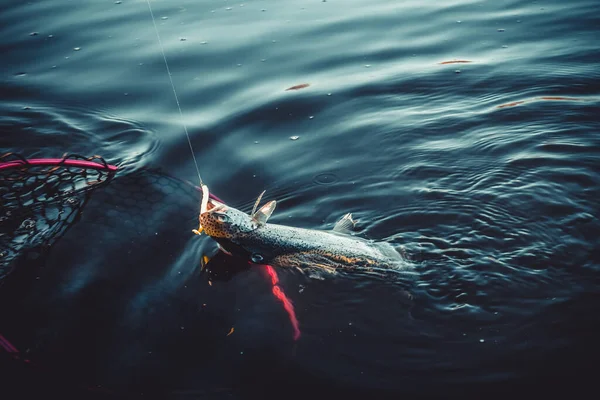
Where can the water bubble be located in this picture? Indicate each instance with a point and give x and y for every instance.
(457, 71)
(263, 9)
(263, 59)
(182, 39)
(204, 42)
(504, 46)
(311, 117)
(328, 94)
(163, 18)
(256, 142)
(33, 34)
(20, 74)
(50, 36)
(294, 137)
(367, 65)
(481, 340)
(182, 327)
(76, 48)
(326, 178)
(501, 30)
(228, 8)
(28, 223)
(118, 2)
(459, 22)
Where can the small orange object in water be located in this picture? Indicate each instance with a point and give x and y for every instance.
(231, 331)
(559, 98)
(455, 62)
(514, 103)
(297, 87)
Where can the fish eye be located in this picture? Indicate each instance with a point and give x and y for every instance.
(222, 217)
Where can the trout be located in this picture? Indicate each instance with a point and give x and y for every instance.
(250, 236)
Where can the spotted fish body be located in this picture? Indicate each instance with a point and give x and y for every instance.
(284, 246)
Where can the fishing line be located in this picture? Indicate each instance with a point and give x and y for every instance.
(162, 50)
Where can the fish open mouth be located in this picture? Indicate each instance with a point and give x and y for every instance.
(207, 204)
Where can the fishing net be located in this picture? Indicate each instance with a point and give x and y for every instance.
(41, 198)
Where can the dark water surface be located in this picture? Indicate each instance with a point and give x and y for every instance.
(486, 173)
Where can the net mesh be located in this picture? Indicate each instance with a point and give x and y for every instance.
(39, 202)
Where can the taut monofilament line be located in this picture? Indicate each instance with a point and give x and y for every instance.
(162, 50)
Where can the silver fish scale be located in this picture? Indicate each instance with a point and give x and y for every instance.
(290, 246)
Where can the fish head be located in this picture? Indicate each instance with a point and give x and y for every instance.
(221, 221)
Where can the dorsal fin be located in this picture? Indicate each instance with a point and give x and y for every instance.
(263, 214)
(345, 224)
(257, 203)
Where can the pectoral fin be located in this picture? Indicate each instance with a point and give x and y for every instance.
(263, 214)
(345, 224)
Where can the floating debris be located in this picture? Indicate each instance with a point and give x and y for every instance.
(294, 137)
(514, 103)
(230, 331)
(183, 39)
(455, 62)
(33, 34)
(298, 87)
(546, 98)
(557, 98)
